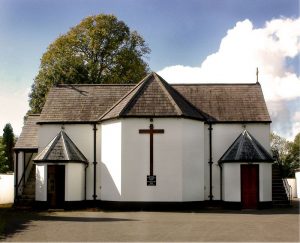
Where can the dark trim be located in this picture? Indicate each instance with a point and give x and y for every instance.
(33, 150)
(210, 162)
(87, 165)
(59, 161)
(24, 168)
(95, 159)
(16, 175)
(265, 205)
(235, 122)
(232, 205)
(246, 162)
(66, 122)
(221, 182)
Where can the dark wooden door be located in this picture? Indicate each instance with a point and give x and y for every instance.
(249, 186)
(56, 186)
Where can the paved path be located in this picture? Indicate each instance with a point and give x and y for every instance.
(219, 225)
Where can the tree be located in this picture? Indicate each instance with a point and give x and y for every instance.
(3, 159)
(8, 141)
(100, 49)
(293, 157)
(286, 154)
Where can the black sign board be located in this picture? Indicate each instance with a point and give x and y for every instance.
(151, 180)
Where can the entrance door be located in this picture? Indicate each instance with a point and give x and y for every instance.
(249, 186)
(56, 186)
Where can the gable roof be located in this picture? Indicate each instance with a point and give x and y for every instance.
(153, 97)
(246, 149)
(28, 138)
(80, 103)
(60, 149)
(228, 102)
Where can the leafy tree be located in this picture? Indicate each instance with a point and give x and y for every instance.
(8, 141)
(293, 157)
(3, 159)
(100, 49)
(286, 154)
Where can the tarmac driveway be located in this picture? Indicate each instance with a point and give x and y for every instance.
(204, 225)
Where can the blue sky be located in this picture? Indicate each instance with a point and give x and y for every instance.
(179, 32)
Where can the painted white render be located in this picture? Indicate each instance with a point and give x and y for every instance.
(41, 182)
(83, 136)
(223, 135)
(74, 182)
(232, 182)
(125, 160)
(6, 188)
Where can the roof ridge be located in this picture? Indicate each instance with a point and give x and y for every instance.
(122, 98)
(163, 85)
(217, 84)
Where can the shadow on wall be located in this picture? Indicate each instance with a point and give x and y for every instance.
(109, 192)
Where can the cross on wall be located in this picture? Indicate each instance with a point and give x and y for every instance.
(151, 131)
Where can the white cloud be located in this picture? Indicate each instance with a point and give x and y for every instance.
(242, 50)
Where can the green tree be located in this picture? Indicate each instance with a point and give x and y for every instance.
(100, 49)
(293, 157)
(8, 141)
(3, 159)
(286, 154)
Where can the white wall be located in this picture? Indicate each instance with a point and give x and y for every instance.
(232, 182)
(265, 182)
(41, 182)
(126, 160)
(193, 160)
(6, 188)
(293, 184)
(223, 135)
(83, 137)
(74, 182)
(297, 175)
(110, 175)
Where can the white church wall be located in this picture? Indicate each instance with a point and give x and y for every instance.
(231, 182)
(265, 182)
(111, 152)
(74, 182)
(82, 136)
(41, 182)
(193, 160)
(167, 160)
(223, 135)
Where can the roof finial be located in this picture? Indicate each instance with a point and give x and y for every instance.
(257, 75)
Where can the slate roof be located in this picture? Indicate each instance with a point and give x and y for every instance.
(227, 102)
(153, 97)
(81, 103)
(28, 138)
(60, 149)
(246, 149)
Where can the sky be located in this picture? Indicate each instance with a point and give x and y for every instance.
(191, 41)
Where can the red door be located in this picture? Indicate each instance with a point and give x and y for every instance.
(249, 186)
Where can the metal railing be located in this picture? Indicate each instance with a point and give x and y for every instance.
(288, 190)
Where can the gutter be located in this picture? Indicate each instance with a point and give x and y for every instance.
(210, 162)
(95, 160)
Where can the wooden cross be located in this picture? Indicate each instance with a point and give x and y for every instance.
(151, 131)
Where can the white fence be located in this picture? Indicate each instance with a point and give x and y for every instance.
(6, 188)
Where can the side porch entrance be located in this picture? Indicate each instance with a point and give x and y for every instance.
(250, 186)
(56, 186)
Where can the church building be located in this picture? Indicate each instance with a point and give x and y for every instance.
(148, 143)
